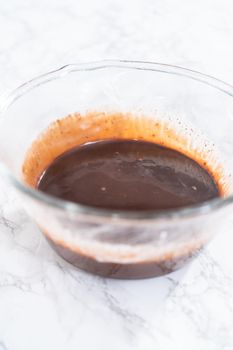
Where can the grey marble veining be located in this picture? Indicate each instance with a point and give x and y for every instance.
(44, 302)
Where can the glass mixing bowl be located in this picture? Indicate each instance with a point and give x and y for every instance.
(195, 115)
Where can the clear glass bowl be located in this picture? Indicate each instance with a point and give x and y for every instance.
(122, 244)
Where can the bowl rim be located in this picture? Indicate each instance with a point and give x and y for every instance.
(75, 208)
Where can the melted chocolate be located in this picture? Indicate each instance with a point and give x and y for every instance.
(128, 175)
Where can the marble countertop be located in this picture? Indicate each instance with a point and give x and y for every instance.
(44, 302)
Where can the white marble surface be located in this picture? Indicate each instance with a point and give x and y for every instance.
(44, 302)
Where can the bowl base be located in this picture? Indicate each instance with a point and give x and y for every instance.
(122, 271)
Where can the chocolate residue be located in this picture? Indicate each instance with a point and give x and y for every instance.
(76, 129)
